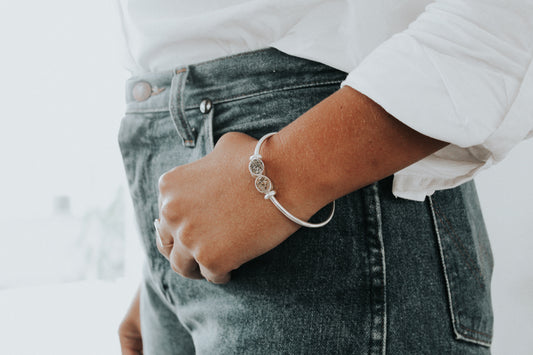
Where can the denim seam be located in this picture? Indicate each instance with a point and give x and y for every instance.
(472, 338)
(487, 258)
(234, 56)
(383, 264)
(455, 323)
(264, 92)
(378, 327)
(176, 109)
(241, 97)
(475, 331)
(156, 286)
(456, 240)
(209, 129)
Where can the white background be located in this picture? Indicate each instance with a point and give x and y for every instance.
(61, 99)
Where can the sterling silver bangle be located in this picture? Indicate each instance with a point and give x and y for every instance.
(264, 185)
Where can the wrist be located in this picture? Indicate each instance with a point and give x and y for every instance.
(345, 142)
(301, 193)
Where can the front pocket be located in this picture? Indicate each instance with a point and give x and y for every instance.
(270, 111)
(466, 261)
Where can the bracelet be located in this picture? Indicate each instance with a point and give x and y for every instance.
(264, 185)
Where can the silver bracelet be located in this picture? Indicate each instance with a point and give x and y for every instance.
(264, 185)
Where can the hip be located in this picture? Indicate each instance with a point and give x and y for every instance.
(386, 273)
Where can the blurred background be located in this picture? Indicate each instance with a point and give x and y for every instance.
(70, 258)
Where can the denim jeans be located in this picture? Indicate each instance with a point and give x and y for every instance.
(385, 276)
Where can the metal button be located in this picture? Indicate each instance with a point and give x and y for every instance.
(142, 91)
(205, 106)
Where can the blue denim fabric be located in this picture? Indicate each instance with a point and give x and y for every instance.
(385, 276)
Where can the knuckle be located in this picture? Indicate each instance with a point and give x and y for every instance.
(163, 181)
(205, 258)
(185, 238)
(218, 279)
(168, 179)
(174, 266)
(169, 211)
(214, 264)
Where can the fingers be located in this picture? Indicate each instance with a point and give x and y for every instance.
(215, 278)
(183, 263)
(177, 241)
(164, 243)
(181, 260)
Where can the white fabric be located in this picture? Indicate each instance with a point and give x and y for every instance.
(456, 70)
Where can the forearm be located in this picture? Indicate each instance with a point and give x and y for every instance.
(345, 142)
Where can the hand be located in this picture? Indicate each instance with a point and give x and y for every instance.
(130, 330)
(212, 218)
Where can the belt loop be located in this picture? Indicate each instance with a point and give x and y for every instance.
(175, 106)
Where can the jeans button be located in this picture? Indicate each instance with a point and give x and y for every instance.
(205, 106)
(142, 91)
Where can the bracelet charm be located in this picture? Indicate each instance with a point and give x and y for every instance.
(256, 165)
(264, 185)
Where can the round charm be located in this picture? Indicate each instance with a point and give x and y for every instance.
(256, 166)
(263, 184)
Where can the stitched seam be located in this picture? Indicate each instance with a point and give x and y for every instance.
(176, 106)
(474, 340)
(376, 272)
(486, 255)
(465, 257)
(264, 92)
(384, 271)
(444, 267)
(453, 231)
(455, 323)
(241, 97)
(475, 331)
(233, 56)
(461, 248)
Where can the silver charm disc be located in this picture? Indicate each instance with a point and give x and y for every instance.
(256, 166)
(263, 184)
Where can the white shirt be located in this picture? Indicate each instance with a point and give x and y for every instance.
(455, 70)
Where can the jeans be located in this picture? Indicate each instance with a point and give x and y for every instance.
(385, 276)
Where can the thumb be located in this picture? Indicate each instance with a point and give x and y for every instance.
(131, 346)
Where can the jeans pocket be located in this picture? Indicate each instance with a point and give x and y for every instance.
(270, 111)
(466, 261)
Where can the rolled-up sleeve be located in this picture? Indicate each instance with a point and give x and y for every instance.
(460, 73)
